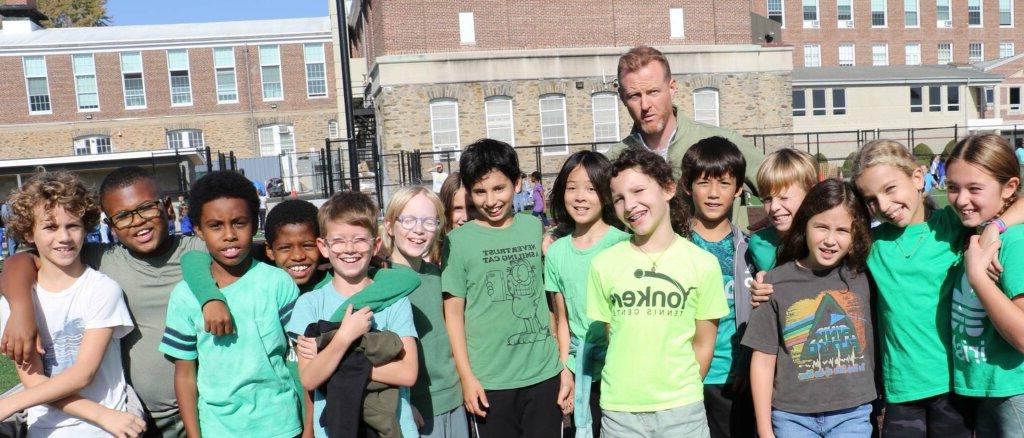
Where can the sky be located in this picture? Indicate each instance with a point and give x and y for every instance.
(125, 12)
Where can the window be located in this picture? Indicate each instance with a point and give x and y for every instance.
(1015, 99)
(878, 13)
(181, 85)
(92, 145)
(818, 100)
(675, 22)
(131, 75)
(705, 106)
(945, 53)
(990, 96)
(444, 125)
(224, 64)
(498, 110)
(838, 101)
(775, 12)
(911, 16)
(913, 52)
(799, 103)
(953, 98)
(1006, 50)
(934, 98)
(811, 14)
(85, 82)
(184, 139)
(606, 118)
(276, 139)
(316, 73)
(1005, 13)
(552, 123)
(812, 55)
(942, 16)
(37, 85)
(844, 13)
(974, 13)
(270, 72)
(467, 31)
(846, 55)
(915, 100)
(975, 52)
(880, 54)
(333, 130)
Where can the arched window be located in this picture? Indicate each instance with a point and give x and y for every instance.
(92, 144)
(606, 118)
(184, 139)
(275, 139)
(444, 125)
(705, 106)
(553, 128)
(332, 129)
(498, 111)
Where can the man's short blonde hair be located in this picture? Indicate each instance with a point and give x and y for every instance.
(638, 57)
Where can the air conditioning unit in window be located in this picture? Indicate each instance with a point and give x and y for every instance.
(814, 24)
(282, 129)
(946, 23)
(846, 24)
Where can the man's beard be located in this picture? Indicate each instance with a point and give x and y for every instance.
(659, 127)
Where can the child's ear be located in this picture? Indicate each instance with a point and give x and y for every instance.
(321, 244)
(1010, 187)
(519, 185)
(268, 250)
(376, 245)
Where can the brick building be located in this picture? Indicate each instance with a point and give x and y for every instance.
(541, 74)
(830, 33)
(91, 99)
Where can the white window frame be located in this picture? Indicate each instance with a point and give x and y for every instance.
(803, 110)
(948, 22)
(275, 131)
(814, 23)
(907, 52)
(234, 75)
(781, 11)
(885, 48)
(142, 80)
(950, 106)
(1014, 108)
(28, 90)
(1001, 14)
(170, 77)
(1003, 53)
(494, 125)
(917, 14)
(845, 24)
(822, 110)
(939, 53)
(89, 143)
(676, 26)
(467, 28)
(853, 55)
(707, 91)
(812, 55)
(835, 108)
(613, 112)
(323, 65)
(885, 14)
(85, 76)
(981, 52)
(457, 146)
(565, 126)
(185, 138)
(280, 73)
(981, 13)
(333, 129)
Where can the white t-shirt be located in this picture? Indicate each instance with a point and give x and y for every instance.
(93, 301)
(439, 178)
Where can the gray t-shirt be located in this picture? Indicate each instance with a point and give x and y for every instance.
(147, 284)
(818, 324)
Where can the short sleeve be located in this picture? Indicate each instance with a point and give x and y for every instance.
(1012, 280)
(453, 277)
(762, 332)
(106, 307)
(179, 339)
(287, 292)
(947, 223)
(552, 279)
(598, 307)
(711, 303)
(303, 314)
(399, 319)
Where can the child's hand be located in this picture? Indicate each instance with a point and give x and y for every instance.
(21, 338)
(122, 424)
(306, 347)
(353, 325)
(760, 292)
(978, 258)
(566, 391)
(217, 319)
(474, 397)
(995, 269)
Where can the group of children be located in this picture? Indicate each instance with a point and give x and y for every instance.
(648, 313)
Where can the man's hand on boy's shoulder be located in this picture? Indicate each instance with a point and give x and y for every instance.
(217, 319)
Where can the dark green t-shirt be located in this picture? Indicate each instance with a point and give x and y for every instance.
(437, 390)
(763, 247)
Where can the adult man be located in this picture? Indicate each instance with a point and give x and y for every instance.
(646, 87)
(439, 175)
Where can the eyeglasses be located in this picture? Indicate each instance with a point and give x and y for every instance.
(409, 222)
(360, 244)
(126, 218)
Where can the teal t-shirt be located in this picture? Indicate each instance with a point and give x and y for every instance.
(915, 269)
(984, 364)
(321, 304)
(763, 247)
(437, 389)
(499, 272)
(727, 341)
(245, 388)
(565, 271)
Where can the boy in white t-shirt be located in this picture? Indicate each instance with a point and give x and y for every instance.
(81, 314)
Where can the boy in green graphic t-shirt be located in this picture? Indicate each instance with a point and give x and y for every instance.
(495, 309)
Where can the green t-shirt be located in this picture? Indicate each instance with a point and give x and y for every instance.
(915, 269)
(565, 272)
(985, 365)
(652, 317)
(245, 388)
(727, 341)
(437, 390)
(498, 271)
(763, 247)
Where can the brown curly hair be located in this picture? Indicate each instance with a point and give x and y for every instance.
(652, 165)
(825, 196)
(50, 189)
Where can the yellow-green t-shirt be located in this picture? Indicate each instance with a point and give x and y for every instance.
(652, 316)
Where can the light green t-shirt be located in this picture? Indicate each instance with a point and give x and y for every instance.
(652, 316)
(437, 390)
(498, 271)
(763, 247)
(245, 388)
(565, 272)
(984, 364)
(915, 269)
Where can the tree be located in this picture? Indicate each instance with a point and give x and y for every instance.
(74, 13)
